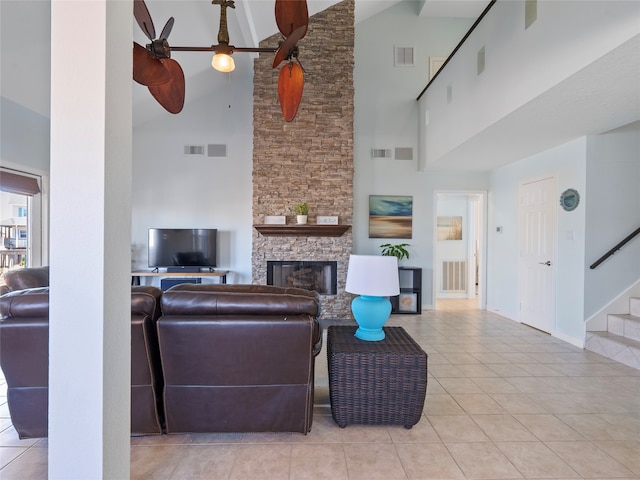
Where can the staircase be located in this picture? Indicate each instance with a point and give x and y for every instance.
(621, 341)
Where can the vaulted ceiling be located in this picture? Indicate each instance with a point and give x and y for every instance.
(25, 72)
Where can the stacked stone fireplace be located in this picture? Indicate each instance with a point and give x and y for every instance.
(311, 158)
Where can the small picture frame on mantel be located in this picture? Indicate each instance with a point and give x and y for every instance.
(327, 220)
(275, 220)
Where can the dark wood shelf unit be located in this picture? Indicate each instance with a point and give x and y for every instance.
(410, 290)
(303, 230)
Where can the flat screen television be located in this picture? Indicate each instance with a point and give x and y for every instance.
(182, 247)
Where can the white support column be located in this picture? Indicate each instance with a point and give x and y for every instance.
(90, 239)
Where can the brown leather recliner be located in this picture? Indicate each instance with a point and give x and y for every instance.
(23, 278)
(238, 358)
(24, 359)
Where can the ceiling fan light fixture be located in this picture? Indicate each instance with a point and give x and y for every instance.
(223, 62)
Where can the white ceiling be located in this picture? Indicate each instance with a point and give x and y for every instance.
(197, 22)
(25, 58)
(613, 81)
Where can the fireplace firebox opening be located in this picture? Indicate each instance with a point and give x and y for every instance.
(310, 275)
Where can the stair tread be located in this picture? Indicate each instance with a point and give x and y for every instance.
(626, 316)
(617, 338)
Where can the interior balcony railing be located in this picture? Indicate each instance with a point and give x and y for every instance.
(466, 35)
(618, 246)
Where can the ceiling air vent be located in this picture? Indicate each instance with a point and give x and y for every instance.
(380, 153)
(194, 149)
(216, 150)
(403, 57)
(404, 153)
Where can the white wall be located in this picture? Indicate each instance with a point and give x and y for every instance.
(386, 116)
(568, 164)
(566, 37)
(612, 213)
(173, 190)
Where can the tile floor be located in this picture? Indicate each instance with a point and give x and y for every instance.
(503, 402)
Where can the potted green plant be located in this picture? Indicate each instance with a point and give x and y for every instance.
(302, 211)
(400, 251)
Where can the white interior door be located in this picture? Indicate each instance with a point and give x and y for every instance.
(537, 253)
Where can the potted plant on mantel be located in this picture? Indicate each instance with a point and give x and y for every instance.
(400, 251)
(302, 211)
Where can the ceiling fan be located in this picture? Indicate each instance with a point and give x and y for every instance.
(154, 67)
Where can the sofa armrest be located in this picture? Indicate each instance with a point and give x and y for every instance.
(32, 302)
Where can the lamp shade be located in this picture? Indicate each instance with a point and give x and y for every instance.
(373, 275)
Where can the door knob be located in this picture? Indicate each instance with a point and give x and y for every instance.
(547, 263)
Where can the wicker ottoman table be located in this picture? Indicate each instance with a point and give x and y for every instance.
(375, 383)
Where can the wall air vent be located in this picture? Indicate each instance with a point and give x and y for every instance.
(216, 150)
(480, 60)
(404, 153)
(530, 12)
(403, 57)
(194, 149)
(380, 153)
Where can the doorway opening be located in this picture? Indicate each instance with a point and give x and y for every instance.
(459, 257)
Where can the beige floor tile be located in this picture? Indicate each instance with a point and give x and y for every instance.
(441, 405)
(548, 428)
(535, 460)
(478, 403)
(30, 465)
(518, 403)
(421, 432)
(457, 428)
(434, 387)
(603, 427)
(478, 370)
(461, 358)
(423, 462)
(539, 370)
(9, 438)
(205, 462)
(530, 385)
(626, 453)
(490, 358)
(495, 385)
(366, 434)
(155, 462)
(543, 421)
(588, 460)
(509, 370)
(482, 461)
(503, 428)
(459, 385)
(318, 462)
(8, 454)
(261, 462)
(560, 402)
(373, 462)
(445, 370)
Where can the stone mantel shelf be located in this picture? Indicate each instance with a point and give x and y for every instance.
(303, 230)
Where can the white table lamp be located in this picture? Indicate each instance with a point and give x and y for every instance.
(374, 278)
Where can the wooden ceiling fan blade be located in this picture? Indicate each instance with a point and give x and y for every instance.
(171, 94)
(141, 14)
(290, 86)
(290, 42)
(147, 70)
(166, 31)
(291, 15)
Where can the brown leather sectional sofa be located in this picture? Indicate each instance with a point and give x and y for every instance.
(24, 358)
(204, 358)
